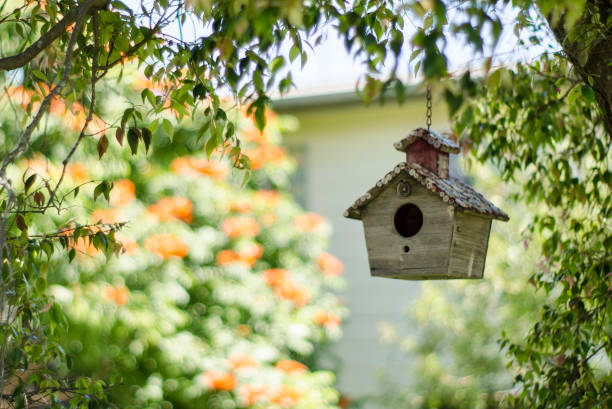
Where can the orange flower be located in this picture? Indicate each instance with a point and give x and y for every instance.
(240, 227)
(172, 208)
(267, 197)
(240, 361)
(166, 245)
(106, 216)
(251, 394)
(57, 107)
(264, 154)
(39, 164)
(268, 219)
(244, 330)
(284, 395)
(327, 319)
(130, 246)
(142, 82)
(308, 221)
(241, 206)
(220, 380)
(285, 288)
(291, 367)
(117, 294)
(299, 294)
(123, 192)
(248, 255)
(253, 134)
(276, 276)
(192, 166)
(77, 171)
(225, 257)
(330, 265)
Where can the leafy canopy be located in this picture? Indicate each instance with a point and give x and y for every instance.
(551, 118)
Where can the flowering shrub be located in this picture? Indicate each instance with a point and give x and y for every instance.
(222, 294)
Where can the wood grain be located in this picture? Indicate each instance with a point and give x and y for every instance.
(428, 249)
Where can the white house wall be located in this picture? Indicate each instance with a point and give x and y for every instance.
(345, 149)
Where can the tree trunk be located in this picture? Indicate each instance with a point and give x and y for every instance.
(591, 58)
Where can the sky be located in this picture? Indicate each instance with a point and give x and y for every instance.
(330, 68)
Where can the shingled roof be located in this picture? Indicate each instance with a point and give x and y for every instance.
(433, 138)
(451, 190)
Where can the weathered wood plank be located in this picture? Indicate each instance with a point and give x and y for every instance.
(427, 251)
(469, 245)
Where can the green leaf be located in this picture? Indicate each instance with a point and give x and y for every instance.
(277, 64)
(294, 53)
(39, 75)
(211, 144)
(203, 130)
(147, 137)
(148, 95)
(199, 91)
(588, 94)
(133, 137)
(494, 79)
(127, 114)
(167, 127)
(103, 188)
(29, 182)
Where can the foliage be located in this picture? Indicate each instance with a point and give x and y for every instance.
(564, 361)
(455, 327)
(546, 125)
(222, 293)
(56, 53)
(222, 297)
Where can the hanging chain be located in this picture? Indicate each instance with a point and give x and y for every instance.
(428, 107)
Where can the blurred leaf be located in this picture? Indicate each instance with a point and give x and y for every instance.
(119, 136)
(20, 222)
(133, 137)
(102, 146)
(147, 137)
(29, 182)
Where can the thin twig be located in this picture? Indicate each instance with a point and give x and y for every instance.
(92, 103)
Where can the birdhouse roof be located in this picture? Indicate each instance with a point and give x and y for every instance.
(451, 190)
(433, 138)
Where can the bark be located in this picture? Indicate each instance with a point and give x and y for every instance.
(21, 59)
(598, 62)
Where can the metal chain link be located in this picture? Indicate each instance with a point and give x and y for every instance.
(428, 122)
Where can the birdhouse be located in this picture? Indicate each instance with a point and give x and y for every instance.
(420, 222)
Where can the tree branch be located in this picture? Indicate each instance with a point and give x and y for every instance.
(595, 69)
(92, 104)
(21, 59)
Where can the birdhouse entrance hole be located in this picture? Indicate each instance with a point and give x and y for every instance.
(408, 220)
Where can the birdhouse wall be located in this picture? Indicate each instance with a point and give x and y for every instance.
(469, 245)
(422, 256)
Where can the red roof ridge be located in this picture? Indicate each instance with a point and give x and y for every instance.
(433, 138)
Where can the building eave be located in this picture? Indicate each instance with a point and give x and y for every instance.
(315, 100)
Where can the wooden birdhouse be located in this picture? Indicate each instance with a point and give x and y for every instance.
(420, 222)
